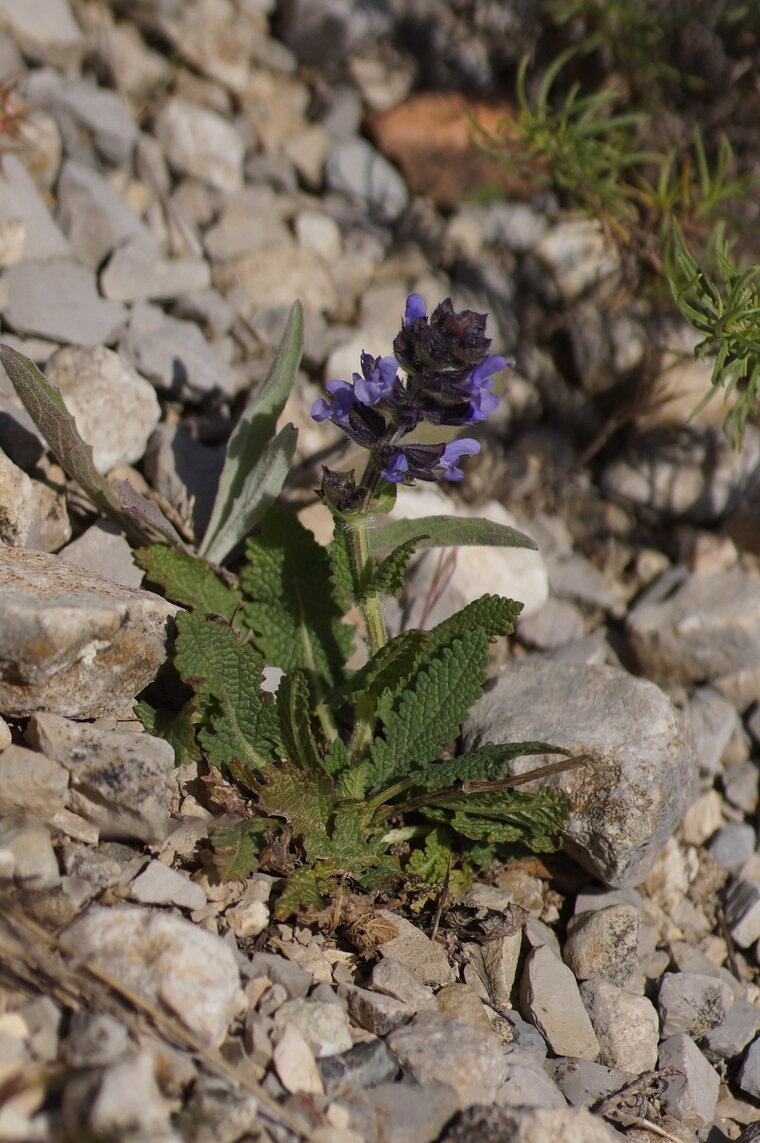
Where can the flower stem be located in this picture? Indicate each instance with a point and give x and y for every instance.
(363, 566)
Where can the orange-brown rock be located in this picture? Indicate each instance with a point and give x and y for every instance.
(433, 141)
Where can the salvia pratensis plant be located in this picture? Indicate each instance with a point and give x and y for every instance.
(347, 773)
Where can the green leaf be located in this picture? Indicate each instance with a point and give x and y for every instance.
(430, 712)
(45, 405)
(364, 857)
(489, 761)
(306, 888)
(432, 863)
(533, 819)
(336, 758)
(389, 669)
(188, 580)
(442, 531)
(177, 727)
(303, 798)
(388, 577)
(294, 715)
(256, 465)
(241, 721)
(339, 553)
(147, 514)
(293, 613)
(235, 847)
(495, 615)
(351, 784)
(259, 489)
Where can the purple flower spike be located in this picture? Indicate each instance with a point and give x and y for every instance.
(396, 468)
(483, 372)
(452, 455)
(377, 379)
(415, 308)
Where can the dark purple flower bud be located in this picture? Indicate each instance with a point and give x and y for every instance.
(340, 491)
(377, 379)
(446, 341)
(452, 455)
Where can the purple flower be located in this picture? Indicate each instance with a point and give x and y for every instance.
(452, 455)
(337, 410)
(396, 466)
(378, 376)
(415, 308)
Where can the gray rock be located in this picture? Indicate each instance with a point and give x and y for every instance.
(103, 550)
(26, 852)
(529, 1125)
(250, 221)
(157, 884)
(733, 845)
(740, 786)
(115, 408)
(119, 779)
(558, 622)
(578, 254)
(355, 168)
(278, 272)
(604, 943)
(684, 473)
(72, 642)
(363, 1066)
(727, 1039)
(748, 1076)
(627, 801)
(434, 1048)
(572, 576)
(693, 1004)
(403, 1113)
(393, 979)
(173, 354)
(525, 1036)
(549, 997)
(528, 1084)
(94, 1039)
(135, 273)
(122, 1099)
(45, 30)
(296, 981)
(165, 960)
(583, 1082)
(19, 509)
(20, 439)
(743, 912)
(294, 1062)
(691, 1096)
(425, 959)
(201, 143)
(714, 721)
(706, 627)
(625, 1025)
(56, 298)
(81, 107)
(95, 217)
(31, 783)
(324, 1026)
(21, 201)
(377, 1013)
(500, 958)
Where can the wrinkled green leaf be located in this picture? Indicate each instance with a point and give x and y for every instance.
(177, 727)
(488, 761)
(235, 847)
(533, 819)
(256, 465)
(241, 721)
(303, 798)
(443, 531)
(188, 580)
(295, 618)
(388, 577)
(389, 669)
(430, 712)
(294, 715)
